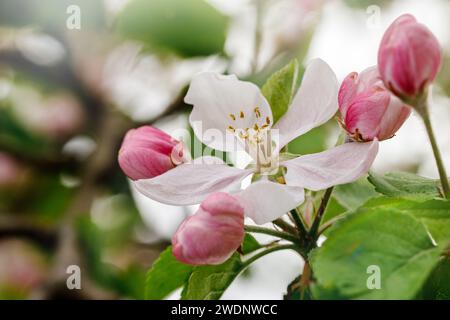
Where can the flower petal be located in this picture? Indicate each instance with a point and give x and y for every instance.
(339, 165)
(190, 183)
(223, 103)
(212, 234)
(313, 105)
(265, 201)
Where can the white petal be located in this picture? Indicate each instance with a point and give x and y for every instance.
(217, 100)
(339, 165)
(190, 183)
(265, 201)
(313, 105)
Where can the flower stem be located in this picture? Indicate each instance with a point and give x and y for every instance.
(423, 111)
(320, 213)
(285, 226)
(271, 232)
(305, 279)
(270, 250)
(299, 223)
(330, 222)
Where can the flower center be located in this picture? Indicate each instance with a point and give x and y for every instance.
(256, 137)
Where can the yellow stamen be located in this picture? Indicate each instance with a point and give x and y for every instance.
(232, 116)
(241, 115)
(257, 112)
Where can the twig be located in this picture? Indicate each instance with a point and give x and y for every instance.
(271, 232)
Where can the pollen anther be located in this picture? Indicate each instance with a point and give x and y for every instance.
(257, 112)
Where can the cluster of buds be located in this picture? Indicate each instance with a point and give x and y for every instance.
(375, 103)
(216, 230)
(373, 106)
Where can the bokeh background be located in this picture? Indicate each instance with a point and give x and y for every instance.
(70, 89)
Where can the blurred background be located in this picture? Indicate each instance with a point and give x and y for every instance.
(76, 75)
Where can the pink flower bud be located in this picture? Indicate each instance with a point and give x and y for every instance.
(147, 152)
(409, 57)
(212, 234)
(22, 266)
(12, 172)
(368, 109)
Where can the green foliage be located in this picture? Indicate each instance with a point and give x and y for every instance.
(15, 138)
(312, 141)
(48, 199)
(210, 282)
(394, 241)
(435, 215)
(406, 185)
(364, 4)
(188, 27)
(279, 89)
(353, 195)
(437, 286)
(127, 282)
(334, 208)
(166, 275)
(250, 244)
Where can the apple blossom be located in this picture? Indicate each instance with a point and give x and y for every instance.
(368, 109)
(147, 152)
(240, 113)
(213, 233)
(409, 57)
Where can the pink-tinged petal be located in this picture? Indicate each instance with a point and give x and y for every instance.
(409, 57)
(368, 109)
(313, 105)
(265, 201)
(190, 183)
(394, 117)
(339, 165)
(347, 92)
(365, 114)
(223, 104)
(212, 234)
(147, 152)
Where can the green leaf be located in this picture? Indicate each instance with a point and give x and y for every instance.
(210, 282)
(394, 241)
(188, 27)
(353, 195)
(407, 185)
(250, 244)
(437, 286)
(166, 275)
(334, 208)
(312, 141)
(435, 215)
(280, 88)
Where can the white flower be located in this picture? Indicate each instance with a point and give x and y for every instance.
(240, 113)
